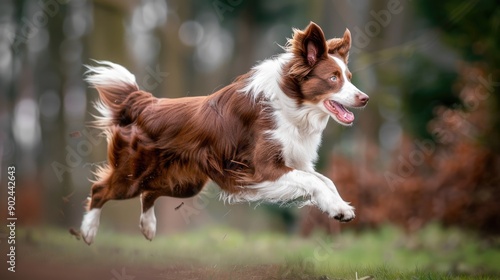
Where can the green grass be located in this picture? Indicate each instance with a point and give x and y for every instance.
(433, 253)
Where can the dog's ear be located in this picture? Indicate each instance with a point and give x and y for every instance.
(341, 45)
(310, 43)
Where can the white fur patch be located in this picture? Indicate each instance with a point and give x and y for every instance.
(148, 223)
(90, 224)
(296, 184)
(347, 94)
(288, 187)
(109, 74)
(266, 77)
(299, 132)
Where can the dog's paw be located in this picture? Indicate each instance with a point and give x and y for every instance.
(90, 224)
(148, 224)
(343, 213)
(148, 230)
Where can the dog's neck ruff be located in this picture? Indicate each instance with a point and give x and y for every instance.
(298, 126)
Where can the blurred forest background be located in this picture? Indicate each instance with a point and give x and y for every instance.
(426, 148)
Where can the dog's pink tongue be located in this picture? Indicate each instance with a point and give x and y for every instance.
(342, 113)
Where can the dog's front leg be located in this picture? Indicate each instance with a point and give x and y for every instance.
(346, 211)
(328, 182)
(297, 183)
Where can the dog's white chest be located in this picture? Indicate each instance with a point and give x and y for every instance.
(299, 147)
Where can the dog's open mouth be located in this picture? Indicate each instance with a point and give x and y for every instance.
(343, 115)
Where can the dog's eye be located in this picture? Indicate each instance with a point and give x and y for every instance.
(333, 78)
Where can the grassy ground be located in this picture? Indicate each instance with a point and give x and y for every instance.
(224, 253)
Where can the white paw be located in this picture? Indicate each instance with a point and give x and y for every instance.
(90, 224)
(342, 212)
(148, 224)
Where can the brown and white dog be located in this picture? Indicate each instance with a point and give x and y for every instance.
(256, 138)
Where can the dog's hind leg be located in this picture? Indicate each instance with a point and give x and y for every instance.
(90, 222)
(148, 218)
(148, 197)
(101, 192)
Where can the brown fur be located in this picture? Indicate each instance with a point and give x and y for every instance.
(171, 147)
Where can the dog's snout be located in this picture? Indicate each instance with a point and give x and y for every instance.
(362, 98)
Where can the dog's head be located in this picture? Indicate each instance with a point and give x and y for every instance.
(318, 76)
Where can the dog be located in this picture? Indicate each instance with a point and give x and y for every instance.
(256, 138)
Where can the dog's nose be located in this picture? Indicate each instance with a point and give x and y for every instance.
(362, 98)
